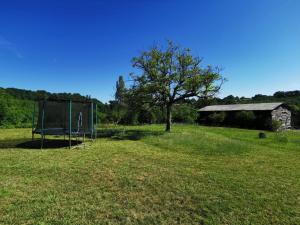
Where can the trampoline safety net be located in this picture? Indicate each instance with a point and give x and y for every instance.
(54, 117)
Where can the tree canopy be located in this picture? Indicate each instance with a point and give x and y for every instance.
(172, 74)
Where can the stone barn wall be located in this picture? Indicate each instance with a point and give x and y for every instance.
(284, 116)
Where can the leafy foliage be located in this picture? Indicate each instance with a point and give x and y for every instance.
(275, 125)
(290, 98)
(171, 75)
(184, 113)
(16, 105)
(120, 90)
(16, 108)
(216, 118)
(246, 119)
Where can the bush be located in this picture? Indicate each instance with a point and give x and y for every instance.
(276, 125)
(146, 116)
(184, 113)
(245, 119)
(216, 118)
(262, 135)
(281, 138)
(3, 112)
(130, 118)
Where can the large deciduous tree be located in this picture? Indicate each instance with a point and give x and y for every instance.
(172, 74)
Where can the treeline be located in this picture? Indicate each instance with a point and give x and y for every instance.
(16, 107)
(126, 109)
(14, 112)
(290, 98)
(41, 94)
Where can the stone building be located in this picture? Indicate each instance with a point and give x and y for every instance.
(274, 111)
(283, 115)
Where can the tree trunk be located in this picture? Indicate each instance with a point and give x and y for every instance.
(169, 118)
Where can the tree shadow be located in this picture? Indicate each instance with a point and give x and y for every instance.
(122, 134)
(113, 134)
(36, 144)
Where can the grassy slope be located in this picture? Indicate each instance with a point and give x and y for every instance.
(194, 175)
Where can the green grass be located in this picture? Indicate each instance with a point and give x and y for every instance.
(140, 175)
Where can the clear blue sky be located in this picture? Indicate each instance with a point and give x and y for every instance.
(83, 45)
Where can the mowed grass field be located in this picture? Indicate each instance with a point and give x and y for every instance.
(141, 175)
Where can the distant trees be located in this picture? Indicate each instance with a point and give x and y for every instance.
(14, 112)
(282, 94)
(118, 106)
(184, 113)
(245, 119)
(120, 90)
(132, 107)
(216, 118)
(230, 99)
(171, 75)
(16, 105)
(3, 110)
(242, 119)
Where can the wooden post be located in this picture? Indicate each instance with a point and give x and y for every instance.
(70, 123)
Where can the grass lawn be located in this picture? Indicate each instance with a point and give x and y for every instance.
(140, 175)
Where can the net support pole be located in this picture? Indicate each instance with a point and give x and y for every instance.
(92, 120)
(33, 117)
(42, 131)
(70, 123)
(96, 121)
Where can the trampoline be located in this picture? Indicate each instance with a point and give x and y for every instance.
(64, 118)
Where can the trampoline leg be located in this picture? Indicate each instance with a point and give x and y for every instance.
(42, 141)
(83, 137)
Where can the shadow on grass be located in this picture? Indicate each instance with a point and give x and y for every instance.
(36, 144)
(122, 134)
(113, 134)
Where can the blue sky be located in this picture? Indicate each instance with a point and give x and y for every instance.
(83, 45)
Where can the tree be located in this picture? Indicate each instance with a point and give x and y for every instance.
(3, 110)
(171, 75)
(245, 119)
(118, 107)
(184, 113)
(230, 99)
(120, 90)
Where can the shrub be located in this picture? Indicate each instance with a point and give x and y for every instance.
(275, 125)
(130, 118)
(281, 138)
(3, 112)
(146, 116)
(262, 135)
(216, 118)
(184, 113)
(245, 119)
